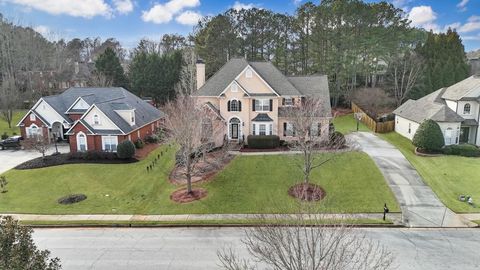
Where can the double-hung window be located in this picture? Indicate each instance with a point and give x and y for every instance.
(262, 129)
(262, 105)
(110, 143)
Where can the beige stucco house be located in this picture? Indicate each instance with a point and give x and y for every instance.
(251, 97)
(456, 109)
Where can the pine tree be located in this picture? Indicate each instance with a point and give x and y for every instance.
(109, 65)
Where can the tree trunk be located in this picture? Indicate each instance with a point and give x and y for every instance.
(189, 176)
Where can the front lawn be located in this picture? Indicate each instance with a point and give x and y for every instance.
(347, 124)
(249, 184)
(17, 115)
(448, 176)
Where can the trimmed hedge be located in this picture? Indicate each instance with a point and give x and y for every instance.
(429, 136)
(139, 144)
(125, 149)
(152, 139)
(263, 141)
(465, 150)
(92, 155)
(337, 140)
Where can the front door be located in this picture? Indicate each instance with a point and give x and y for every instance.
(234, 130)
(464, 132)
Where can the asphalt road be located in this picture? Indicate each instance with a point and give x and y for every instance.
(195, 248)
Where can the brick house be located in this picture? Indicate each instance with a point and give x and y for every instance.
(92, 118)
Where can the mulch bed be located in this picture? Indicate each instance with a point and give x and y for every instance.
(424, 153)
(307, 192)
(146, 150)
(62, 159)
(253, 150)
(182, 196)
(204, 171)
(71, 199)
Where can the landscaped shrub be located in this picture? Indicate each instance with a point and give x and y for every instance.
(125, 149)
(337, 140)
(152, 139)
(429, 137)
(263, 141)
(466, 150)
(4, 136)
(139, 144)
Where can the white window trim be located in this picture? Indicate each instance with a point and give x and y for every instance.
(33, 117)
(469, 109)
(78, 141)
(29, 130)
(289, 131)
(113, 141)
(248, 73)
(262, 101)
(238, 105)
(291, 101)
(96, 120)
(229, 127)
(269, 129)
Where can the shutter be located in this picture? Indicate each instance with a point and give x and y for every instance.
(283, 101)
(239, 106)
(293, 101)
(253, 104)
(228, 106)
(293, 128)
(253, 127)
(319, 130)
(271, 104)
(284, 129)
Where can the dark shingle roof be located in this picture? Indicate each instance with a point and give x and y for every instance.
(108, 100)
(314, 86)
(262, 117)
(275, 78)
(431, 106)
(468, 89)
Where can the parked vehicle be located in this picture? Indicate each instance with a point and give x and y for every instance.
(12, 142)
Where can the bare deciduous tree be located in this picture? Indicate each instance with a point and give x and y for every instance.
(375, 101)
(9, 99)
(306, 122)
(403, 72)
(309, 244)
(38, 143)
(192, 127)
(187, 83)
(98, 79)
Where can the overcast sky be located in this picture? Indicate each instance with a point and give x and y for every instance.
(130, 20)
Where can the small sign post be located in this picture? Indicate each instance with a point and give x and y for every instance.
(358, 116)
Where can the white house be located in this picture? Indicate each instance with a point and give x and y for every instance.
(454, 108)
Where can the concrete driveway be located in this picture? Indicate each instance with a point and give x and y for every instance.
(420, 206)
(10, 158)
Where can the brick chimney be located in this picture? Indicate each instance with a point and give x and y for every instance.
(200, 73)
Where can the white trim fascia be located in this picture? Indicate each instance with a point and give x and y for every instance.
(230, 84)
(91, 107)
(50, 106)
(86, 141)
(142, 126)
(31, 110)
(76, 122)
(73, 104)
(268, 85)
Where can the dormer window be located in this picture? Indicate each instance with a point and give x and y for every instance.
(96, 120)
(248, 73)
(466, 108)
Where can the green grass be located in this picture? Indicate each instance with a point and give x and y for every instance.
(249, 184)
(477, 221)
(208, 222)
(17, 115)
(347, 124)
(448, 176)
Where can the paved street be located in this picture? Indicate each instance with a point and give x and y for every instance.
(195, 248)
(10, 158)
(420, 206)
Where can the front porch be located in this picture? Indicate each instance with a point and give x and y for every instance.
(468, 132)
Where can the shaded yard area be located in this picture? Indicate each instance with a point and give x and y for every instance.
(17, 115)
(249, 184)
(347, 124)
(448, 176)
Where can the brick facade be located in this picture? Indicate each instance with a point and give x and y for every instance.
(27, 123)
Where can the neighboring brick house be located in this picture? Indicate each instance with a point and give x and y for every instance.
(92, 118)
(252, 97)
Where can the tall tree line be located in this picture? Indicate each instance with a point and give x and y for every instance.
(351, 41)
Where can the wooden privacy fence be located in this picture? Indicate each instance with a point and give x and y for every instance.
(377, 127)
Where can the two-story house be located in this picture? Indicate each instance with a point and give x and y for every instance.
(92, 118)
(251, 97)
(456, 109)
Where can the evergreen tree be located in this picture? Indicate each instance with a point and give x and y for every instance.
(109, 65)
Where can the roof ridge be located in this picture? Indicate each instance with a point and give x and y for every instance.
(271, 64)
(218, 71)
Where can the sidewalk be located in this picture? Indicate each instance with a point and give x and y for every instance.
(394, 217)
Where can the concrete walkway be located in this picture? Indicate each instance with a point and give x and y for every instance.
(420, 206)
(395, 218)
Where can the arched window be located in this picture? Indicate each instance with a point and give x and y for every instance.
(234, 105)
(466, 108)
(81, 142)
(32, 131)
(96, 120)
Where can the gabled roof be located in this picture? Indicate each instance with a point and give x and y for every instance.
(281, 84)
(468, 89)
(107, 100)
(314, 86)
(431, 106)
